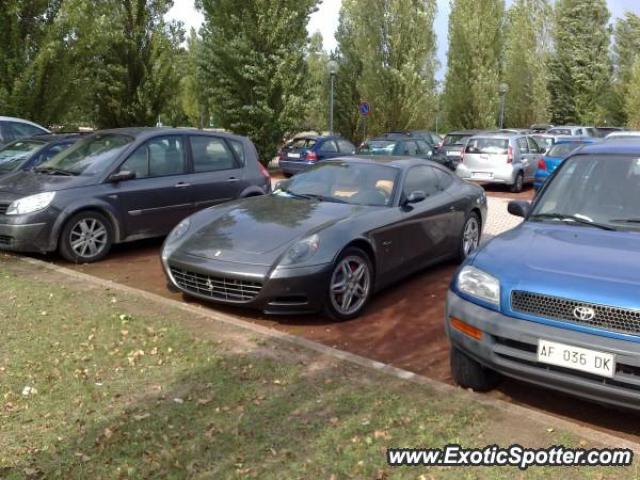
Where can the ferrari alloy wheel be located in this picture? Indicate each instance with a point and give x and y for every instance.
(350, 284)
(470, 238)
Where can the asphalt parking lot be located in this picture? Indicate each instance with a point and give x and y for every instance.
(403, 325)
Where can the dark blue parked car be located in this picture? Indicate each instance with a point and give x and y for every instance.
(554, 157)
(300, 153)
(28, 153)
(556, 301)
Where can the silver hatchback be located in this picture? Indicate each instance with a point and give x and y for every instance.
(510, 159)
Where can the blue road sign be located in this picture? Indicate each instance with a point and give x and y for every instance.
(365, 109)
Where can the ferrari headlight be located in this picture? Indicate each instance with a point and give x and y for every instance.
(30, 204)
(302, 250)
(179, 231)
(479, 284)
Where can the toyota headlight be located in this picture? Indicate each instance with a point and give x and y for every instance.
(479, 284)
(30, 204)
(302, 250)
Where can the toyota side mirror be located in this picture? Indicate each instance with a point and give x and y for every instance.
(122, 176)
(519, 208)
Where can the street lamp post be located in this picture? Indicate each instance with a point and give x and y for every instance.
(332, 67)
(503, 88)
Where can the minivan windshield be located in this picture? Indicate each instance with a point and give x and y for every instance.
(602, 190)
(89, 156)
(488, 146)
(14, 155)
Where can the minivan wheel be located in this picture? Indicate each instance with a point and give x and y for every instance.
(86, 237)
(468, 373)
(350, 285)
(470, 238)
(518, 184)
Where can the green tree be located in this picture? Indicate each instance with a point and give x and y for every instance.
(396, 45)
(316, 108)
(471, 98)
(24, 27)
(580, 67)
(527, 46)
(254, 66)
(626, 49)
(632, 104)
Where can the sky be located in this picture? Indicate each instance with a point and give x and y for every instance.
(325, 20)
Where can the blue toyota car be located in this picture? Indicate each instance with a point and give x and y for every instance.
(554, 157)
(556, 301)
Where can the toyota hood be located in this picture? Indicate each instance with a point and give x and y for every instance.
(568, 261)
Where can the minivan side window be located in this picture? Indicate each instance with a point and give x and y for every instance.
(533, 146)
(238, 147)
(211, 154)
(422, 179)
(159, 157)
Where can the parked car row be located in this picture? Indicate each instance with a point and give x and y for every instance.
(553, 302)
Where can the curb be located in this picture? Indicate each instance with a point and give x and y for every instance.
(588, 433)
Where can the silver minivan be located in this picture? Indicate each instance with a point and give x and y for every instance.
(510, 159)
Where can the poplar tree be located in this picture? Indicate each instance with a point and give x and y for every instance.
(390, 46)
(471, 97)
(626, 49)
(580, 67)
(527, 47)
(254, 66)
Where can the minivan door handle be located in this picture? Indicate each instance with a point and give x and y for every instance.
(182, 185)
(233, 179)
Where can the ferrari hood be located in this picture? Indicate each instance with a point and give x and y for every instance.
(258, 230)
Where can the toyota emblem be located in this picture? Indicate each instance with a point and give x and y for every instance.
(584, 314)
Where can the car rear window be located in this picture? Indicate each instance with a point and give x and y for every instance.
(561, 131)
(489, 146)
(455, 139)
(378, 147)
(562, 149)
(307, 143)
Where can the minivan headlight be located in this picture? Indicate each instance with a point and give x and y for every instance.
(479, 284)
(30, 204)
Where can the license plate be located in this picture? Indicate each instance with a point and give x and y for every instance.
(293, 155)
(576, 358)
(453, 154)
(481, 175)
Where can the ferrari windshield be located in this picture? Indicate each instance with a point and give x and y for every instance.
(345, 182)
(601, 190)
(88, 156)
(15, 154)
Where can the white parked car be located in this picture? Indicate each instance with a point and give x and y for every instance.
(16, 128)
(631, 135)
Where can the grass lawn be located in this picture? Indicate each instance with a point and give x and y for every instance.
(97, 384)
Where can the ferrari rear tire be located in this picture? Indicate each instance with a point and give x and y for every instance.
(350, 285)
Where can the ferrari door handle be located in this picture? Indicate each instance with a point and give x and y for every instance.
(182, 185)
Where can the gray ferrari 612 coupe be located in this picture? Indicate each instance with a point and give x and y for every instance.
(328, 238)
